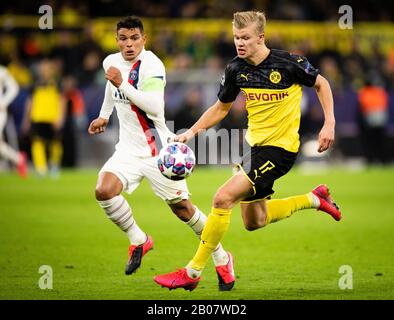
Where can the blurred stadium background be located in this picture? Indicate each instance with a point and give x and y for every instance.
(194, 40)
(57, 222)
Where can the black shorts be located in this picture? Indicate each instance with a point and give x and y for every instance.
(263, 165)
(43, 130)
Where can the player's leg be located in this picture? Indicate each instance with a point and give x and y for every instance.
(40, 136)
(55, 156)
(266, 166)
(222, 259)
(257, 214)
(108, 195)
(228, 195)
(114, 177)
(235, 189)
(176, 194)
(6, 151)
(196, 219)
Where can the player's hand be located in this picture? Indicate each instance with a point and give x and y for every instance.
(184, 137)
(97, 126)
(326, 137)
(114, 76)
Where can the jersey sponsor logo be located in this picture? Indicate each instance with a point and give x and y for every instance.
(120, 97)
(277, 96)
(275, 77)
(245, 76)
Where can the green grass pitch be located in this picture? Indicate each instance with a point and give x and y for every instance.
(58, 223)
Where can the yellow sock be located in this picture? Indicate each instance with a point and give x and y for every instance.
(39, 155)
(56, 153)
(214, 230)
(284, 208)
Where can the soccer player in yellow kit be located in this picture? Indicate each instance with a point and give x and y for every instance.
(271, 81)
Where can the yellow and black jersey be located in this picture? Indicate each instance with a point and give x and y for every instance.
(273, 91)
(46, 103)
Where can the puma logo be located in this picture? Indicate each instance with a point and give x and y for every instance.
(245, 76)
(300, 60)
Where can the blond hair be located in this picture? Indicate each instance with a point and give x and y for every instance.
(245, 18)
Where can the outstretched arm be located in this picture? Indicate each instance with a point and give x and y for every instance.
(211, 117)
(327, 133)
(99, 124)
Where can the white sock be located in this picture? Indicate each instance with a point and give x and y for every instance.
(315, 200)
(193, 273)
(119, 211)
(197, 223)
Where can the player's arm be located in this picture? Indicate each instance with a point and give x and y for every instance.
(12, 89)
(99, 124)
(327, 133)
(150, 99)
(26, 121)
(60, 122)
(211, 117)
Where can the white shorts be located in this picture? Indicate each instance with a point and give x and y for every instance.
(131, 171)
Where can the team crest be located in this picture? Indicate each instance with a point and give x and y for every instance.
(133, 75)
(275, 77)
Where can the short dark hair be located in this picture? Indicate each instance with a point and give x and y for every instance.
(130, 22)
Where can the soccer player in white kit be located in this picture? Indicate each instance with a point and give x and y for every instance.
(135, 86)
(8, 91)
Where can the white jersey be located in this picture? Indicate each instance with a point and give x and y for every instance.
(8, 89)
(140, 134)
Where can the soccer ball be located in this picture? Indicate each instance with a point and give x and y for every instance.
(176, 161)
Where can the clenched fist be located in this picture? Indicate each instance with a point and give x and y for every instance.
(114, 76)
(97, 126)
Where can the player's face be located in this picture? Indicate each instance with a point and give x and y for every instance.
(130, 42)
(247, 41)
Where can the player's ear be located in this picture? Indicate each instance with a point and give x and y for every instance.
(261, 37)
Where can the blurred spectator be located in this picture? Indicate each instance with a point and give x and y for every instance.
(199, 48)
(8, 91)
(74, 120)
(66, 53)
(373, 101)
(44, 118)
(190, 111)
(91, 69)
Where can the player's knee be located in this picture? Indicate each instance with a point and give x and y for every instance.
(254, 225)
(223, 200)
(184, 210)
(104, 193)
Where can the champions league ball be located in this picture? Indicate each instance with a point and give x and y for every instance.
(176, 161)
